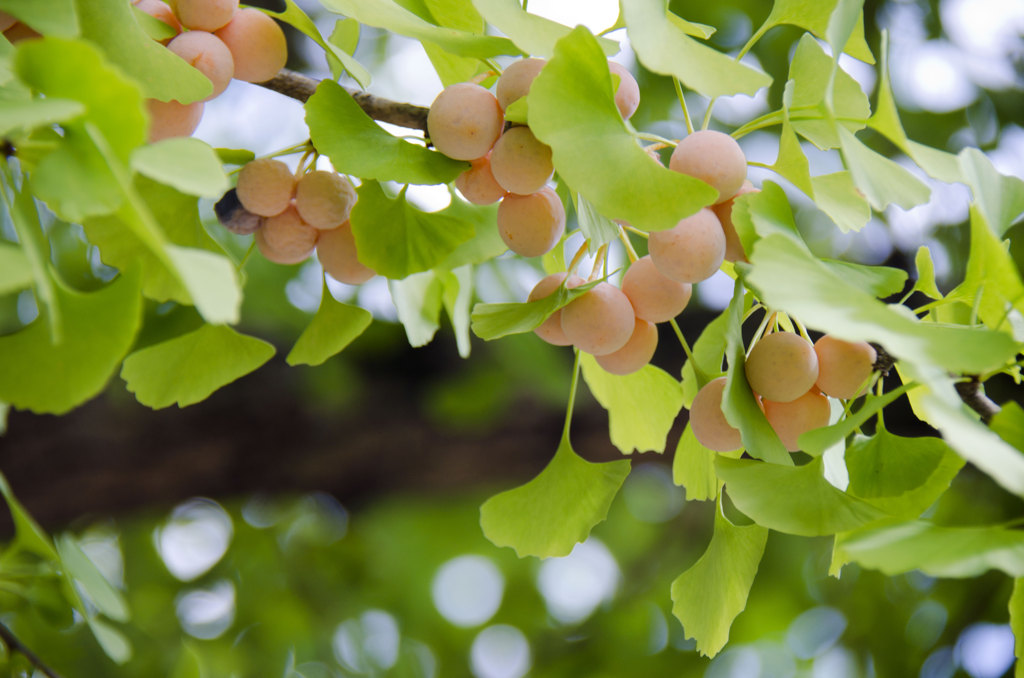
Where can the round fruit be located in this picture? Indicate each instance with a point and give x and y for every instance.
(265, 186)
(551, 329)
(160, 10)
(257, 45)
(286, 239)
(691, 251)
(654, 296)
(516, 79)
(627, 94)
(637, 352)
(707, 421)
(782, 367)
(790, 420)
(477, 184)
(531, 225)
(171, 119)
(844, 367)
(521, 163)
(600, 321)
(336, 250)
(205, 15)
(464, 121)
(211, 57)
(324, 199)
(713, 157)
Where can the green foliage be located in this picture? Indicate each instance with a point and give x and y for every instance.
(159, 303)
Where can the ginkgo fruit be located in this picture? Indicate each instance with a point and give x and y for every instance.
(600, 321)
(692, 250)
(336, 250)
(844, 367)
(206, 53)
(478, 185)
(257, 45)
(708, 422)
(285, 238)
(637, 352)
(713, 157)
(515, 80)
(265, 186)
(791, 419)
(324, 199)
(464, 121)
(205, 15)
(531, 225)
(520, 163)
(551, 329)
(655, 297)
(782, 367)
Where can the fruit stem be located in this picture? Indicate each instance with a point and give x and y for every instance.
(630, 252)
(245, 258)
(682, 104)
(637, 231)
(600, 262)
(765, 321)
(572, 394)
(686, 349)
(578, 257)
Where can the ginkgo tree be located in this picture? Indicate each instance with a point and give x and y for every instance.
(76, 142)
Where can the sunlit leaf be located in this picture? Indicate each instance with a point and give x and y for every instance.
(162, 74)
(937, 551)
(837, 196)
(15, 269)
(357, 145)
(575, 490)
(813, 15)
(597, 228)
(114, 643)
(881, 180)
(336, 56)
(925, 283)
(98, 328)
(54, 17)
(533, 34)
(641, 406)
(879, 281)
(390, 16)
(793, 499)
(708, 352)
(999, 198)
(664, 47)
(334, 327)
(418, 300)
(572, 110)
(25, 115)
(457, 298)
(493, 321)
(1009, 424)
(816, 442)
(187, 164)
(187, 369)
(712, 593)
(810, 73)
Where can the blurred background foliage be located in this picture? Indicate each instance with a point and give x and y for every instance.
(396, 579)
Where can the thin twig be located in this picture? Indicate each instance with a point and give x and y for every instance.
(16, 645)
(974, 396)
(301, 87)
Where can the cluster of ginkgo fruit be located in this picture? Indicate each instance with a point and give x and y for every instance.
(222, 42)
(792, 380)
(291, 216)
(467, 122)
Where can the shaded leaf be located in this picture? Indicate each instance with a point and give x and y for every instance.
(333, 328)
(418, 300)
(80, 568)
(187, 164)
(31, 113)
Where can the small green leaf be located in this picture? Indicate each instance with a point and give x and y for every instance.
(925, 283)
(842, 23)
(418, 300)
(1009, 424)
(187, 164)
(550, 514)
(493, 321)
(396, 239)
(458, 297)
(814, 15)
(187, 369)
(881, 180)
(836, 195)
(337, 58)
(901, 476)
(46, 376)
(77, 566)
(234, 156)
(357, 145)
(333, 328)
(162, 74)
(28, 534)
(114, 643)
(879, 281)
(738, 403)
(572, 110)
(791, 161)
(459, 14)
(345, 36)
(793, 499)
(999, 198)
(15, 269)
(762, 213)
(956, 552)
(664, 47)
(390, 16)
(533, 34)
(641, 406)
(811, 72)
(712, 593)
(32, 113)
(485, 245)
(693, 467)
(816, 442)
(212, 282)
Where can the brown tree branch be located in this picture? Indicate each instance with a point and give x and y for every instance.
(972, 393)
(301, 87)
(16, 645)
